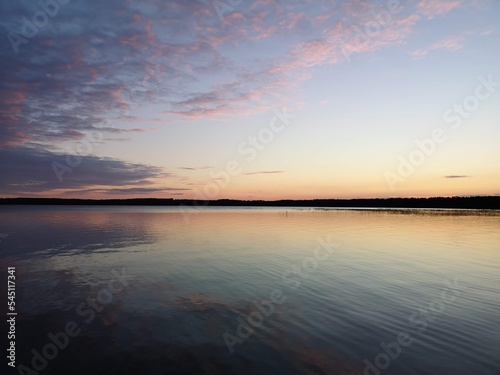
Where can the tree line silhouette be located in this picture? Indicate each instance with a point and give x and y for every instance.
(472, 202)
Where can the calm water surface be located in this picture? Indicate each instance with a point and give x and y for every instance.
(158, 291)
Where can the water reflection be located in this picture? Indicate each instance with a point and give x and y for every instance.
(191, 282)
(45, 232)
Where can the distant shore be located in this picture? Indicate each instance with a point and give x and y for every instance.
(477, 202)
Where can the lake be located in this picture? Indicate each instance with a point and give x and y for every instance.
(161, 290)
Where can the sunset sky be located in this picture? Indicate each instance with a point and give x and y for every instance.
(252, 99)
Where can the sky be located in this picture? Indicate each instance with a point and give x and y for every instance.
(249, 99)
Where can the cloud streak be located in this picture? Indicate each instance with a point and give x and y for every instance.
(195, 168)
(452, 43)
(29, 171)
(263, 172)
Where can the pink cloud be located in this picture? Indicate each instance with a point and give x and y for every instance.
(150, 35)
(10, 111)
(341, 41)
(335, 46)
(452, 43)
(432, 8)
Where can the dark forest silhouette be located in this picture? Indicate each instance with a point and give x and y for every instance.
(478, 202)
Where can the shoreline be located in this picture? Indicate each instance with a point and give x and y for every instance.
(434, 203)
